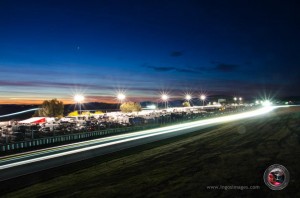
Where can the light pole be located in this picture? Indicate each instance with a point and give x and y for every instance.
(235, 99)
(240, 99)
(203, 97)
(188, 97)
(79, 99)
(165, 98)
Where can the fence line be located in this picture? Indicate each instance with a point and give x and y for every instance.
(69, 137)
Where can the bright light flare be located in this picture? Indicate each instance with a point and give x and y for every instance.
(202, 97)
(266, 103)
(164, 97)
(121, 96)
(188, 97)
(78, 98)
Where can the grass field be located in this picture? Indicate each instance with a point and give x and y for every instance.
(232, 154)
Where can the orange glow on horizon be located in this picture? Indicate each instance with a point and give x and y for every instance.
(105, 99)
(39, 102)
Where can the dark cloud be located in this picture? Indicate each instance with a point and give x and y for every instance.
(15, 83)
(167, 69)
(219, 67)
(226, 67)
(186, 70)
(222, 67)
(176, 53)
(48, 84)
(162, 69)
(61, 85)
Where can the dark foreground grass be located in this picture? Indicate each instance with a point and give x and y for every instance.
(232, 154)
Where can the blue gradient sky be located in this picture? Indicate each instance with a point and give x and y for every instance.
(53, 49)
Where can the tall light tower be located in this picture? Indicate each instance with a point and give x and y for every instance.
(165, 98)
(203, 97)
(79, 99)
(188, 97)
(235, 99)
(240, 99)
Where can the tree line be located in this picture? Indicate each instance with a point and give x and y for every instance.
(55, 108)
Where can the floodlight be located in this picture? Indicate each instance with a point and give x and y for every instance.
(165, 97)
(121, 96)
(78, 98)
(188, 97)
(202, 97)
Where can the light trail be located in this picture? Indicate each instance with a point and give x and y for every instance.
(36, 156)
(17, 113)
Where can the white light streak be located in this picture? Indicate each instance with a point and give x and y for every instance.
(17, 113)
(132, 136)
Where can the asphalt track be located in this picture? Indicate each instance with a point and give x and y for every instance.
(16, 165)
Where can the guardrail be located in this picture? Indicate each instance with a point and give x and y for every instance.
(69, 137)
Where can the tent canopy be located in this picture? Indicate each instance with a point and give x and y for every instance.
(34, 120)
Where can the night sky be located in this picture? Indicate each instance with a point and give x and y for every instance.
(54, 49)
